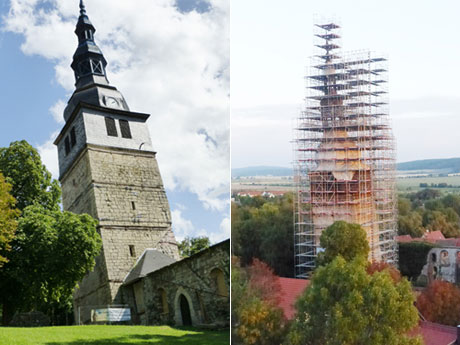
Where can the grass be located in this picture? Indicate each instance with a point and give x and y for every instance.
(111, 335)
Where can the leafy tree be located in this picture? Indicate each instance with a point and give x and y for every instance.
(192, 245)
(52, 252)
(452, 201)
(52, 249)
(8, 217)
(379, 266)
(437, 220)
(411, 224)
(260, 323)
(32, 184)
(440, 303)
(256, 318)
(346, 305)
(344, 239)
(264, 282)
(426, 194)
(404, 206)
(264, 229)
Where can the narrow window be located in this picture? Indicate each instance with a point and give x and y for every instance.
(125, 131)
(132, 252)
(111, 128)
(133, 205)
(73, 137)
(67, 145)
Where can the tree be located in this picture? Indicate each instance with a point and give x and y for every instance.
(52, 249)
(264, 282)
(346, 305)
(264, 229)
(8, 219)
(192, 245)
(344, 239)
(52, 252)
(256, 318)
(411, 224)
(438, 221)
(31, 182)
(440, 303)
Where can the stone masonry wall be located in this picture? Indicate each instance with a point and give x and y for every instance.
(192, 278)
(124, 191)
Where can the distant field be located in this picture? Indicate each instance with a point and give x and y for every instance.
(111, 335)
(413, 184)
(284, 184)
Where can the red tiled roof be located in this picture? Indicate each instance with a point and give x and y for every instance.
(404, 239)
(436, 334)
(433, 236)
(290, 289)
(450, 242)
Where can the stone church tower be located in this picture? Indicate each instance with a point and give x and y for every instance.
(108, 169)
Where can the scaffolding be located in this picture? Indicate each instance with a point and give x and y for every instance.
(344, 152)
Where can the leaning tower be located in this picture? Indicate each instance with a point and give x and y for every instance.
(108, 169)
(345, 153)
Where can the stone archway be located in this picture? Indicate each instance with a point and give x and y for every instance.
(181, 302)
(185, 311)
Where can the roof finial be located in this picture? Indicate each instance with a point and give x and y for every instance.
(82, 8)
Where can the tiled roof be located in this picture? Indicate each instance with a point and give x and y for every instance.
(404, 238)
(436, 334)
(433, 236)
(290, 289)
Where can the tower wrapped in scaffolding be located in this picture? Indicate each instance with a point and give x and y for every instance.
(344, 152)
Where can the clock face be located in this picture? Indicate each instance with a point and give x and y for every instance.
(111, 102)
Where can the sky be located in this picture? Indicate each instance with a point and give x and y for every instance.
(169, 59)
(271, 42)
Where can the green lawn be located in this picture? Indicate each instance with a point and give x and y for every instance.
(108, 335)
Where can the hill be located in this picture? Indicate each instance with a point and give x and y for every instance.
(450, 165)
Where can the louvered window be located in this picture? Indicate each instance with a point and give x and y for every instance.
(73, 137)
(67, 145)
(111, 128)
(125, 131)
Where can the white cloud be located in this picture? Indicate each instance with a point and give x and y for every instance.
(170, 64)
(57, 110)
(48, 153)
(182, 227)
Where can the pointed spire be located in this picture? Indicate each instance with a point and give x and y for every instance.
(82, 8)
(88, 61)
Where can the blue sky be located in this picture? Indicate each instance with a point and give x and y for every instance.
(271, 42)
(35, 52)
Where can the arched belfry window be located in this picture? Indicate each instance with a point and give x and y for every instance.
(219, 282)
